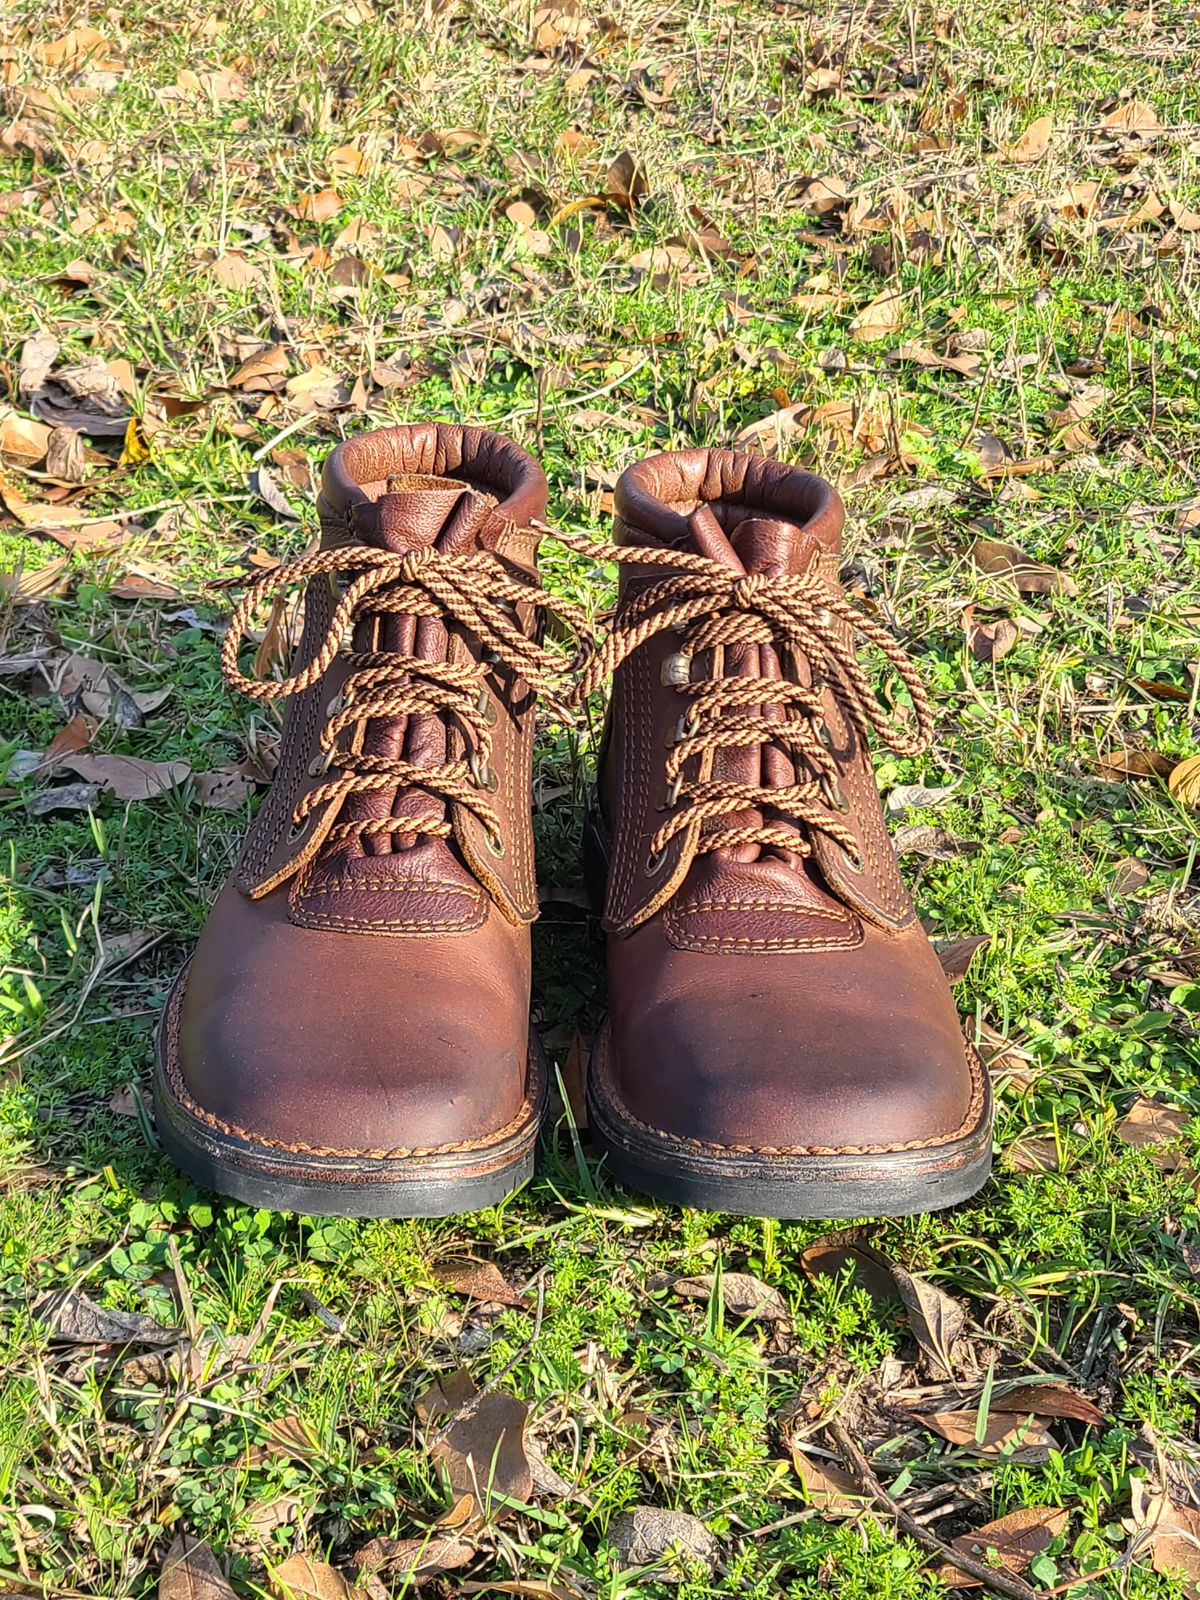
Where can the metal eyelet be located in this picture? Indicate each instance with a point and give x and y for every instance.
(298, 829)
(677, 669)
(320, 765)
(834, 793)
(655, 862)
(851, 864)
(673, 790)
(823, 617)
(495, 847)
(337, 704)
(483, 777)
(824, 735)
(486, 707)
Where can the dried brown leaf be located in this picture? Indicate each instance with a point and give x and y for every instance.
(625, 182)
(880, 316)
(190, 1572)
(1115, 766)
(1032, 144)
(1015, 1539)
(936, 1318)
(71, 1317)
(1135, 117)
(1003, 1435)
(1184, 781)
(647, 1536)
(1159, 1128)
(1048, 1400)
(302, 1578)
(956, 955)
(479, 1439)
(128, 777)
(1000, 559)
(743, 1295)
(829, 1489)
(479, 1280)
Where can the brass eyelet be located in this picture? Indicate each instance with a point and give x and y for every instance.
(824, 735)
(298, 829)
(673, 790)
(495, 847)
(851, 864)
(483, 777)
(655, 862)
(486, 707)
(320, 765)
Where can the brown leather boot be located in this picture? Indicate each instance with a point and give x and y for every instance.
(352, 1034)
(781, 1038)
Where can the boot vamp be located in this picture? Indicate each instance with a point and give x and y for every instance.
(814, 1049)
(353, 1042)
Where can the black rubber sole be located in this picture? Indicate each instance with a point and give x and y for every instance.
(427, 1183)
(896, 1183)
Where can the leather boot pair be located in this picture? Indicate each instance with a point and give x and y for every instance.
(352, 1034)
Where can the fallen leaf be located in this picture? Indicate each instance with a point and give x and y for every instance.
(1159, 1128)
(1032, 144)
(223, 790)
(822, 196)
(479, 1439)
(1033, 1154)
(1115, 766)
(828, 1488)
(260, 369)
(425, 1556)
(1184, 781)
(73, 48)
(66, 455)
(524, 1588)
(292, 1437)
(743, 1295)
(1023, 1441)
(135, 585)
(128, 777)
(936, 1318)
(64, 797)
(38, 355)
(301, 1578)
(233, 269)
(29, 586)
(646, 1537)
(479, 1280)
(956, 955)
(190, 1572)
(1002, 560)
(880, 316)
(73, 736)
(1048, 1400)
(87, 396)
(625, 183)
(1133, 117)
(319, 207)
(74, 1319)
(872, 1271)
(1069, 419)
(919, 355)
(991, 641)
(1016, 1539)
(1130, 875)
(23, 440)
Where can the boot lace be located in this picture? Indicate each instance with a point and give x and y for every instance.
(479, 592)
(799, 615)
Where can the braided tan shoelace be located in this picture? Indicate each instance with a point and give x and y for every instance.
(479, 592)
(799, 615)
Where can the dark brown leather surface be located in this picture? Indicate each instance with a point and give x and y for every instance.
(374, 994)
(759, 998)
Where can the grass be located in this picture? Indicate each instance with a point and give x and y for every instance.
(574, 339)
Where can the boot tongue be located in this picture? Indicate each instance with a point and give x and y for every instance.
(416, 512)
(772, 547)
